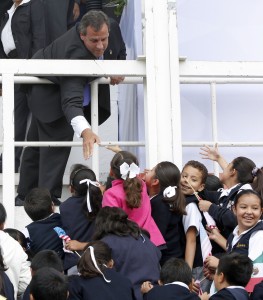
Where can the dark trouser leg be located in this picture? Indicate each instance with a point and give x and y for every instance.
(30, 163)
(21, 116)
(53, 160)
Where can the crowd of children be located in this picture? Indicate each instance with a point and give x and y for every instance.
(160, 234)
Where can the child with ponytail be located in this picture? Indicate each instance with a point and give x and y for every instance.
(129, 192)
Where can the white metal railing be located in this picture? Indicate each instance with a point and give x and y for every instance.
(190, 72)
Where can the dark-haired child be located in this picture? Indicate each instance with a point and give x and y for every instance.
(134, 255)
(129, 193)
(247, 237)
(97, 279)
(6, 286)
(238, 175)
(193, 178)
(47, 284)
(44, 258)
(174, 284)
(79, 211)
(213, 183)
(40, 233)
(14, 258)
(168, 207)
(232, 275)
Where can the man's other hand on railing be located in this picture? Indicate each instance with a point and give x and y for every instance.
(116, 79)
(89, 139)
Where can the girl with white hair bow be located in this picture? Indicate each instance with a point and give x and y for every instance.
(129, 192)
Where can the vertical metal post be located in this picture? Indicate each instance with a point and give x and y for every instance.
(175, 86)
(8, 148)
(95, 124)
(214, 121)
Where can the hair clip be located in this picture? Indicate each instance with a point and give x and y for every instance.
(255, 171)
(170, 191)
(132, 169)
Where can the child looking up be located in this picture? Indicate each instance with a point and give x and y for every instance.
(97, 280)
(40, 233)
(232, 275)
(174, 284)
(129, 192)
(238, 175)
(79, 211)
(168, 207)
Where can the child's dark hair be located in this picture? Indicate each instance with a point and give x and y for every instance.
(18, 236)
(237, 268)
(49, 283)
(2, 214)
(80, 172)
(244, 167)
(113, 220)
(132, 186)
(46, 258)
(213, 183)
(248, 192)
(102, 253)
(199, 166)
(169, 175)
(38, 204)
(175, 269)
(257, 184)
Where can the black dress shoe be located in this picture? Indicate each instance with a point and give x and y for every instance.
(19, 200)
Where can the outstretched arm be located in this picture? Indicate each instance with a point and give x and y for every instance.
(213, 154)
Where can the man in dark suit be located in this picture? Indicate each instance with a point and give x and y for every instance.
(58, 110)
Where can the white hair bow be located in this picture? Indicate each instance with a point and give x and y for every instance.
(88, 182)
(125, 169)
(95, 263)
(170, 191)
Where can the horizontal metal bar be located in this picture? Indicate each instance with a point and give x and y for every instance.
(223, 144)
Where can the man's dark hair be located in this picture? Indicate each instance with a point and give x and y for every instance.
(47, 258)
(2, 214)
(38, 204)
(94, 19)
(49, 284)
(237, 268)
(175, 269)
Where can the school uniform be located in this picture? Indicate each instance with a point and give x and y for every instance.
(41, 235)
(258, 292)
(222, 213)
(8, 286)
(231, 293)
(76, 225)
(137, 259)
(116, 197)
(171, 291)
(171, 226)
(96, 288)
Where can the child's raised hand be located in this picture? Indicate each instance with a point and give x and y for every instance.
(211, 262)
(204, 296)
(210, 153)
(204, 205)
(146, 287)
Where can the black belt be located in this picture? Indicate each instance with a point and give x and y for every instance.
(12, 54)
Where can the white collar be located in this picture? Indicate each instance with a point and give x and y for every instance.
(235, 231)
(235, 287)
(179, 283)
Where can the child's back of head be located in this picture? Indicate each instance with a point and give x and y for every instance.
(38, 204)
(46, 258)
(176, 269)
(213, 183)
(2, 216)
(236, 269)
(47, 284)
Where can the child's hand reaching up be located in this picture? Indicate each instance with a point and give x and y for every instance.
(204, 296)
(210, 153)
(146, 287)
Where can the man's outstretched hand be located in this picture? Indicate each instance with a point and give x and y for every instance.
(89, 139)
